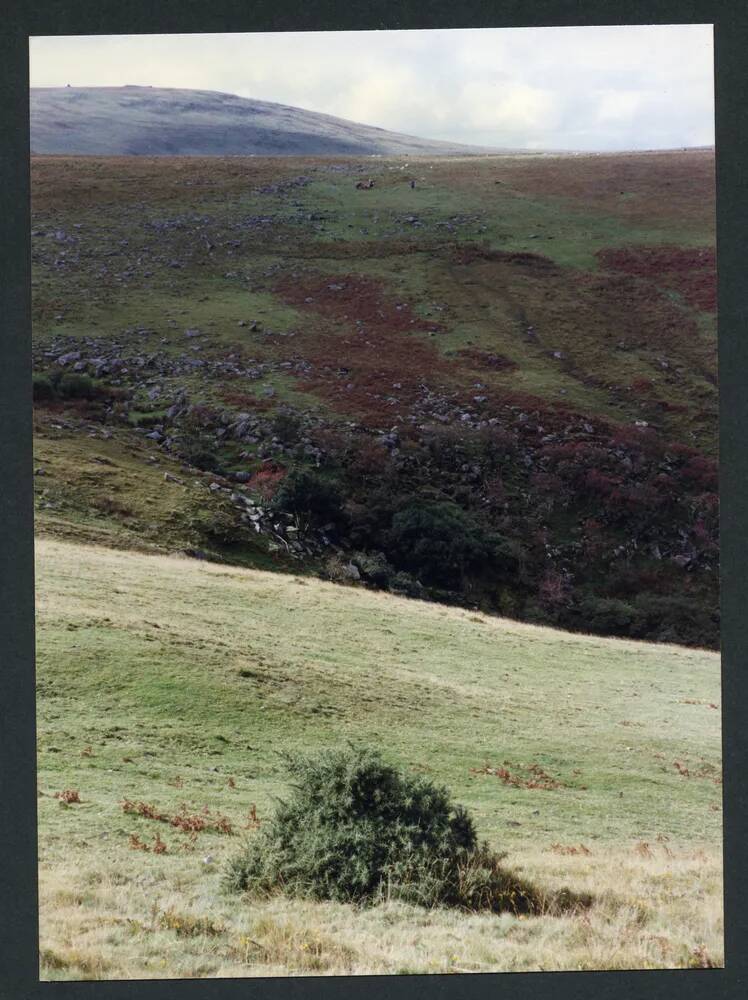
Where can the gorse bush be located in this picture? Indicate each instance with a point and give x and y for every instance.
(355, 829)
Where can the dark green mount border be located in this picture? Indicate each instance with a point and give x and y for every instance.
(22, 18)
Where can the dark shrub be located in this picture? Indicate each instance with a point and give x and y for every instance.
(42, 386)
(440, 543)
(368, 461)
(309, 495)
(406, 586)
(446, 446)
(507, 603)
(536, 614)
(494, 446)
(625, 579)
(200, 417)
(608, 616)
(355, 829)
(74, 385)
(204, 460)
(701, 472)
(286, 426)
(676, 618)
(199, 450)
(371, 513)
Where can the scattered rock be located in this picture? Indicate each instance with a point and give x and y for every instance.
(351, 571)
(66, 359)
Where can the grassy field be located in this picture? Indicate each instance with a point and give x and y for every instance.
(173, 683)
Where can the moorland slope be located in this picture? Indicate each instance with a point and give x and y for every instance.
(486, 380)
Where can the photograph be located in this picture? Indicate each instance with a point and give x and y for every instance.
(376, 502)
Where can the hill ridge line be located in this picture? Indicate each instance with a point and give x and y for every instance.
(130, 119)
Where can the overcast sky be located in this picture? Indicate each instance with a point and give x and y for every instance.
(595, 88)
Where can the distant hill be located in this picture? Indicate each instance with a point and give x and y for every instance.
(158, 121)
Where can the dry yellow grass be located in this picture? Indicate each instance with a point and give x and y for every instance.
(658, 911)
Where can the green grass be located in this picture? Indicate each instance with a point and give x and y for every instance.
(113, 492)
(214, 306)
(178, 654)
(508, 219)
